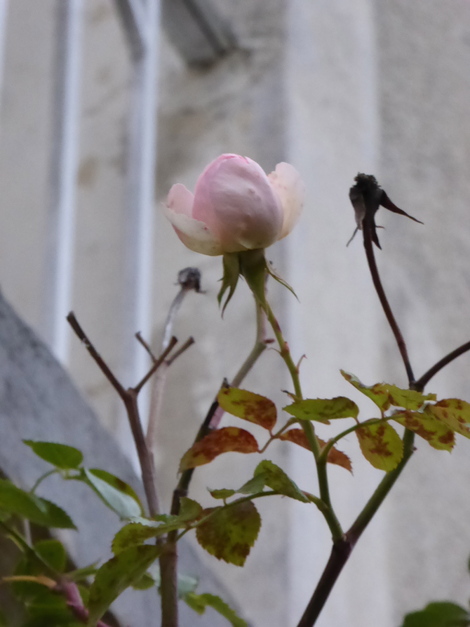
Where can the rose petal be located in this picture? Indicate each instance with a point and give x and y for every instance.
(180, 200)
(193, 233)
(286, 181)
(235, 199)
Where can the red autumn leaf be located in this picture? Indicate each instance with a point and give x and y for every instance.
(249, 406)
(297, 436)
(225, 440)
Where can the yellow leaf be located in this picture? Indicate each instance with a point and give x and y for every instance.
(380, 444)
(437, 433)
(249, 406)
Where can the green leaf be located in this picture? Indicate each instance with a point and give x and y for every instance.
(142, 529)
(230, 279)
(114, 492)
(116, 575)
(49, 608)
(189, 509)
(442, 614)
(225, 440)
(29, 506)
(386, 394)
(199, 602)
(249, 406)
(144, 583)
(428, 427)
(452, 412)
(223, 493)
(323, 409)
(230, 532)
(254, 485)
(60, 455)
(53, 553)
(380, 444)
(276, 479)
(82, 574)
(136, 533)
(376, 393)
(408, 399)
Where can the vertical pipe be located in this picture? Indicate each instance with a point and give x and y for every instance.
(141, 187)
(61, 214)
(3, 23)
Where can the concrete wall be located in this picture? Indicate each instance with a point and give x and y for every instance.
(334, 87)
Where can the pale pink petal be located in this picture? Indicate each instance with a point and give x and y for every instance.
(236, 201)
(180, 200)
(193, 233)
(290, 188)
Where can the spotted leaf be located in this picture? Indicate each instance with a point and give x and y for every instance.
(249, 406)
(225, 440)
(437, 433)
(230, 532)
(380, 444)
(323, 409)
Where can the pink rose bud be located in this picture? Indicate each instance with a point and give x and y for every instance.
(236, 206)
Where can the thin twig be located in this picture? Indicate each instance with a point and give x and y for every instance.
(147, 347)
(102, 365)
(129, 398)
(156, 364)
(188, 279)
(156, 396)
(427, 376)
(189, 342)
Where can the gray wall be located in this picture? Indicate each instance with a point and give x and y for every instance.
(334, 87)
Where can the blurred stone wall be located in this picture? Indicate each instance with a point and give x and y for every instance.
(335, 88)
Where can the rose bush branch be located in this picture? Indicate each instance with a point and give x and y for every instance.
(366, 197)
(168, 588)
(442, 363)
(215, 413)
(129, 398)
(189, 279)
(237, 211)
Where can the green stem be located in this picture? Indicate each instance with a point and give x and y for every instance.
(328, 511)
(342, 548)
(41, 479)
(381, 491)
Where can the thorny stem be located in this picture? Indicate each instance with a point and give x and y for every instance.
(367, 230)
(328, 512)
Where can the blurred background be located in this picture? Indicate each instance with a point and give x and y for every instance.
(105, 105)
